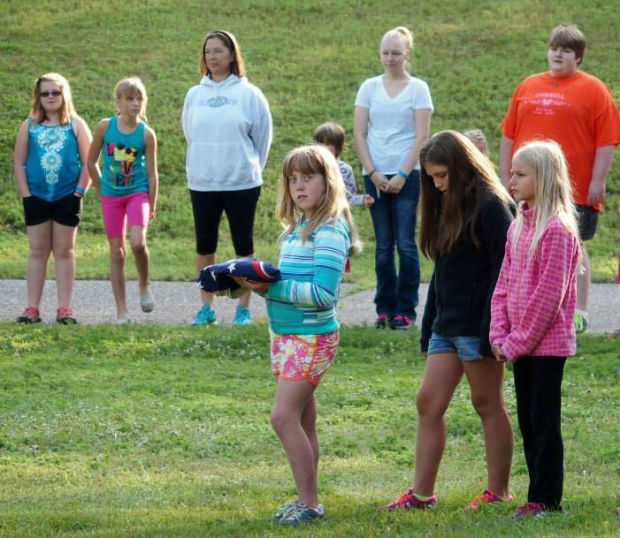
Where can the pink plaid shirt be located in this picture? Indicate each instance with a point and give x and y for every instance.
(534, 300)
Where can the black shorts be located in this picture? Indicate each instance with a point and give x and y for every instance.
(65, 211)
(588, 220)
(240, 208)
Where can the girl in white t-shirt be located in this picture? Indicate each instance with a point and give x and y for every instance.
(390, 126)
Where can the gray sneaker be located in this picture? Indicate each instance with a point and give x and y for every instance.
(285, 508)
(302, 513)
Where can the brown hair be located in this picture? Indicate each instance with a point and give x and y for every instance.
(237, 66)
(331, 134)
(315, 159)
(471, 181)
(67, 110)
(570, 37)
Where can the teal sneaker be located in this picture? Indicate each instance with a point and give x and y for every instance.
(204, 316)
(242, 316)
(581, 323)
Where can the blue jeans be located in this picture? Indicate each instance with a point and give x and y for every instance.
(394, 221)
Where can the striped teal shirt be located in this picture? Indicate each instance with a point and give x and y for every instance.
(304, 301)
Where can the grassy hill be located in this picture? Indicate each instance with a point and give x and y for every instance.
(309, 59)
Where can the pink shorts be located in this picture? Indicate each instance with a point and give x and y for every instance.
(114, 208)
(297, 357)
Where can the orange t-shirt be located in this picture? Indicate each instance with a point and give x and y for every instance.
(578, 112)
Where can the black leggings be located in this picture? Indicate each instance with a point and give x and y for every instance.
(240, 208)
(538, 385)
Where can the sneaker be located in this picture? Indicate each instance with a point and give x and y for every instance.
(242, 316)
(147, 301)
(285, 508)
(401, 322)
(488, 497)
(64, 315)
(382, 321)
(581, 323)
(30, 315)
(409, 500)
(122, 320)
(302, 513)
(204, 316)
(530, 509)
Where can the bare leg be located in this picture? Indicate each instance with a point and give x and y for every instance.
(291, 402)
(486, 378)
(441, 377)
(308, 423)
(140, 251)
(202, 260)
(118, 253)
(583, 280)
(40, 241)
(244, 300)
(63, 246)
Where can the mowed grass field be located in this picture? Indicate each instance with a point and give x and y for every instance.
(161, 431)
(164, 431)
(309, 58)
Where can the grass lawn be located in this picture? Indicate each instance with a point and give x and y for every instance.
(309, 58)
(162, 431)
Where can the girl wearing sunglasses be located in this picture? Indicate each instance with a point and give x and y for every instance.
(50, 152)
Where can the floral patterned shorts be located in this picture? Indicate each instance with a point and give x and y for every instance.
(296, 357)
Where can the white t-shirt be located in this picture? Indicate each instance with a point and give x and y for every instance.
(391, 121)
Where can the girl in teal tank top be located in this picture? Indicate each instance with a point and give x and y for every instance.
(51, 149)
(128, 187)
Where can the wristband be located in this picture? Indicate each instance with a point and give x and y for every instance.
(371, 173)
(401, 173)
(80, 190)
(78, 194)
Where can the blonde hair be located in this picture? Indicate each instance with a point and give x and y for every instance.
(315, 159)
(552, 189)
(67, 110)
(130, 86)
(478, 139)
(404, 33)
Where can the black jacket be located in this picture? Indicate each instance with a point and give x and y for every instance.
(460, 291)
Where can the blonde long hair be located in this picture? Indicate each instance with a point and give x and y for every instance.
(315, 159)
(552, 189)
(67, 110)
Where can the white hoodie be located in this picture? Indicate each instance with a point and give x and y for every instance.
(228, 129)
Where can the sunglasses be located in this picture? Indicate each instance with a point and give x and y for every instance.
(55, 93)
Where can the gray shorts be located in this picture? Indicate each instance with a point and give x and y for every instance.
(588, 220)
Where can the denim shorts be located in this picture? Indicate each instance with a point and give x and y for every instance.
(467, 348)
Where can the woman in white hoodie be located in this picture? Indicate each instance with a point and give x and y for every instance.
(228, 128)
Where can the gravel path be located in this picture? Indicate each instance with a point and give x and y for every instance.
(176, 303)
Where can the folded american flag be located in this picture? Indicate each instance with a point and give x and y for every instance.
(216, 278)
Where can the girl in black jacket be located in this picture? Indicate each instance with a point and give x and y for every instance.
(465, 216)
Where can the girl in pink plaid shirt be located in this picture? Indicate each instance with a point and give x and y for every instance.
(532, 311)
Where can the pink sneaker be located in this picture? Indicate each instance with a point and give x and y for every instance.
(30, 315)
(488, 497)
(409, 500)
(530, 509)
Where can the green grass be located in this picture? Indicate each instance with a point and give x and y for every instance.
(160, 431)
(309, 58)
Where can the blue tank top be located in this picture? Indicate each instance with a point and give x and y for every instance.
(124, 163)
(53, 164)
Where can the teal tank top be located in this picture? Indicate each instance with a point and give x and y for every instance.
(53, 164)
(124, 163)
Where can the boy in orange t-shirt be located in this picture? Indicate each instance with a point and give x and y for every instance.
(577, 111)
